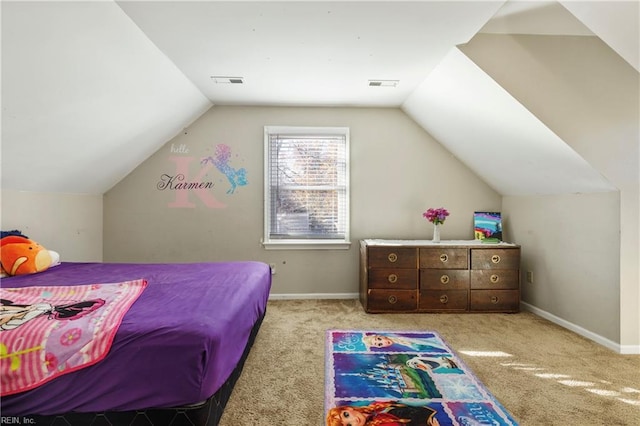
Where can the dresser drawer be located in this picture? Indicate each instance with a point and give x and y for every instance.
(495, 279)
(495, 259)
(420, 277)
(392, 257)
(444, 258)
(443, 300)
(392, 300)
(393, 278)
(495, 301)
(444, 279)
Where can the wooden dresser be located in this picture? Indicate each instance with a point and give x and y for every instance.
(450, 276)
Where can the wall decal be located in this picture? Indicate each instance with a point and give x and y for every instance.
(182, 185)
(180, 149)
(221, 161)
(178, 182)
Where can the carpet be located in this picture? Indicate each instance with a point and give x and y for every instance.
(402, 377)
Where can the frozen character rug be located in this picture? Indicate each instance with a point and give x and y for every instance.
(403, 378)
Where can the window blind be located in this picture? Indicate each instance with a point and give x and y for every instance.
(308, 186)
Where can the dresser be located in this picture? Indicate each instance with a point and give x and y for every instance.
(450, 276)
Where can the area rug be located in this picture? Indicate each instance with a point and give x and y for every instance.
(403, 378)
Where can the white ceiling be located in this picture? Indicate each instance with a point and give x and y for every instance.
(308, 53)
(91, 88)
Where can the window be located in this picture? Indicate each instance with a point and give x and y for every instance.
(306, 187)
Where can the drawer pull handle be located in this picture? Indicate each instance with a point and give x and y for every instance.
(494, 299)
(444, 298)
(444, 279)
(495, 258)
(392, 299)
(444, 257)
(495, 278)
(392, 257)
(393, 278)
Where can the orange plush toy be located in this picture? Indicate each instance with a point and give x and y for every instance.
(20, 256)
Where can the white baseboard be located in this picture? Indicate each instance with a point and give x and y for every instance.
(616, 347)
(304, 296)
(630, 349)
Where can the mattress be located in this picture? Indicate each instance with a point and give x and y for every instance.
(177, 344)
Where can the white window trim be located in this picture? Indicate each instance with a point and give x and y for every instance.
(303, 244)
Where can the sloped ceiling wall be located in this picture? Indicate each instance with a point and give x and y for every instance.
(491, 131)
(495, 136)
(87, 95)
(616, 23)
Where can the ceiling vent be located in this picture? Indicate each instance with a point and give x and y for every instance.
(383, 83)
(227, 80)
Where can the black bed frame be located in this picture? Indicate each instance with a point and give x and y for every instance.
(207, 413)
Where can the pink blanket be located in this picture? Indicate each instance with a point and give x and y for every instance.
(49, 331)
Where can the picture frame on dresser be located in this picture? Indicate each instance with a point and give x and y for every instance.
(450, 276)
(487, 225)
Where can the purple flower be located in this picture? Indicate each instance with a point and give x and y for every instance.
(436, 216)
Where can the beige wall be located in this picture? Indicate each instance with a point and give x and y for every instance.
(574, 257)
(70, 224)
(588, 95)
(397, 172)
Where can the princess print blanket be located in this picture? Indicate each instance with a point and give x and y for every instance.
(49, 331)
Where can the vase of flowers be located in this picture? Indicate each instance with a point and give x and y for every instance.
(437, 217)
(436, 233)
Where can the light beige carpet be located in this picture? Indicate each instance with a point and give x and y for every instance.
(543, 374)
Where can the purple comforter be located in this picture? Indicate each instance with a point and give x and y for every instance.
(177, 344)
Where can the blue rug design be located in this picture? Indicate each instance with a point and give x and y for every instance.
(403, 378)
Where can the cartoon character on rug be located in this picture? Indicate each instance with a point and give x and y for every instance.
(13, 316)
(398, 342)
(20, 255)
(425, 363)
(386, 413)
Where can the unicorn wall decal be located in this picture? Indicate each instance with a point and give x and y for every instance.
(236, 177)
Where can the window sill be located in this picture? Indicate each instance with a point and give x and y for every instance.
(306, 245)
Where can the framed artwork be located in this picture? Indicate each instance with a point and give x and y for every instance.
(487, 225)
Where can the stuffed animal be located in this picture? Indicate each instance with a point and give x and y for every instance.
(20, 256)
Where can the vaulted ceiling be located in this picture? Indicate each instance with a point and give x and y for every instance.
(90, 89)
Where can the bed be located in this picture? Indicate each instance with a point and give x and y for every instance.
(176, 354)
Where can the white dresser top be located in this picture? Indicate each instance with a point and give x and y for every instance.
(379, 242)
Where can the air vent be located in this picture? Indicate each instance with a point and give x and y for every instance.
(227, 80)
(383, 83)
